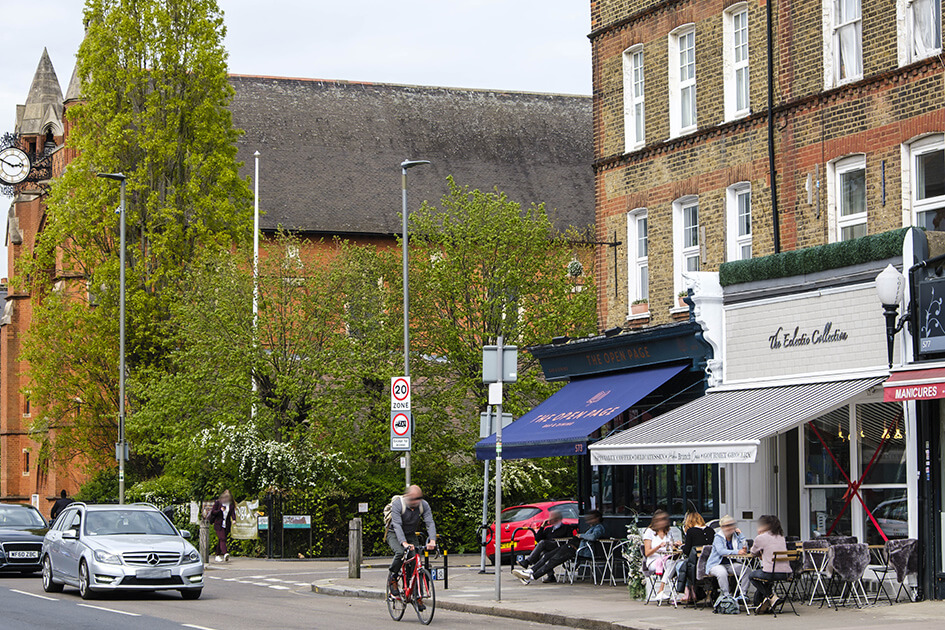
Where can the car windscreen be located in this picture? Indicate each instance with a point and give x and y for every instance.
(117, 522)
(567, 510)
(515, 515)
(20, 517)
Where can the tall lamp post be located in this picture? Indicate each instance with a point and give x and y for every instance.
(121, 449)
(255, 267)
(890, 285)
(403, 167)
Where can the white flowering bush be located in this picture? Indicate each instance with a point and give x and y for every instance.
(635, 582)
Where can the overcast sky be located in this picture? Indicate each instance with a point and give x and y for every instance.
(530, 45)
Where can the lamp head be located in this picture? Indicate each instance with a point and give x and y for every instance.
(411, 163)
(890, 286)
(118, 177)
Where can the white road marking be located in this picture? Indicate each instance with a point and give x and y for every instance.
(303, 584)
(259, 584)
(272, 579)
(190, 625)
(280, 588)
(228, 579)
(111, 610)
(51, 599)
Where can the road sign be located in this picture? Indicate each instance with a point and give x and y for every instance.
(487, 423)
(490, 360)
(400, 444)
(401, 430)
(400, 393)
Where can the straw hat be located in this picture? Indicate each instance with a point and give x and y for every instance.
(726, 520)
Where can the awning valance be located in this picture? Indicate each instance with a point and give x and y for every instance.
(725, 426)
(562, 423)
(919, 384)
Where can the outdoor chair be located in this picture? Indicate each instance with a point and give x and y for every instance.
(902, 556)
(846, 565)
(839, 540)
(786, 587)
(580, 565)
(813, 569)
(703, 580)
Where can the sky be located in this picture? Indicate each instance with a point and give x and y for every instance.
(528, 45)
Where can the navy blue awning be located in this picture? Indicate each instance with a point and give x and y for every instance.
(561, 424)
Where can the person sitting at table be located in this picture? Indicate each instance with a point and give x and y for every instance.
(770, 539)
(548, 538)
(696, 534)
(728, 546)
(658, 549)
(578, 545)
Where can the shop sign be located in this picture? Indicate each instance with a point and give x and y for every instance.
(782, 338)
(738, 453)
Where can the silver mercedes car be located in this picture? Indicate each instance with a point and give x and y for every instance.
(98, 548)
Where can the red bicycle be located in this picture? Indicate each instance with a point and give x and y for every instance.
(416, 588)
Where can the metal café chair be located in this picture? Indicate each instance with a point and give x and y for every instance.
(815, 568)
(847, 565)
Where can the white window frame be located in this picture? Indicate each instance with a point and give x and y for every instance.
(681, 253)
(677, 84)
(832, 45)
(736, 241)
(909, 50)
(835, 170)
(912, 205)
(734, 63)
(634, 104)
(636, 262)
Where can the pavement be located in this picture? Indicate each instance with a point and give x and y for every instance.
(584, 605)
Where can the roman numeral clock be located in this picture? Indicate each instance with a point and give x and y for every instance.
(17, 166)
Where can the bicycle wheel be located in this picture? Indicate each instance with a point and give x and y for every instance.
(395, 605)
(425, 601)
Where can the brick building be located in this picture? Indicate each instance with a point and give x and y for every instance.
(681, 134)
(329, 167)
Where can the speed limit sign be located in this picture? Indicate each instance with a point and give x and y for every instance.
(400, 393)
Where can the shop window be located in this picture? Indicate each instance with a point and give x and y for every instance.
(735, 61)
(927, 177)
(641, 490)
(919, 25)
(682, 80)
(687, 241)
(738, 222)
(846, 198)
(843, 42)
(634, 110)
(638, 240)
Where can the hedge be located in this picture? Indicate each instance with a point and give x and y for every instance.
(813, 259)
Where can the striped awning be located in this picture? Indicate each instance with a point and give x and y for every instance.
(725, 426)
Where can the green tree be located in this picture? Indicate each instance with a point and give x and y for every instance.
(155, 107)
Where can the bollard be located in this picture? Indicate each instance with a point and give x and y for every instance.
(426, 559)
(446, 572)
(355, 552)
(203, 541)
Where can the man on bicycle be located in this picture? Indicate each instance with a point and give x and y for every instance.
(406, 512)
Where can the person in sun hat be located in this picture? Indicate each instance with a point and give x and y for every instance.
(727, 547)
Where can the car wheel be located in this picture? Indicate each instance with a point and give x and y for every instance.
(85, 590)
(492, 560)
(191, 593)
(48, 585)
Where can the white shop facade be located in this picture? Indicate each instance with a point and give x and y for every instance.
(794, 416)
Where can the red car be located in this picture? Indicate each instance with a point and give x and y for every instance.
(532, 515)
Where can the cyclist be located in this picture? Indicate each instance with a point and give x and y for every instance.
(406, 512)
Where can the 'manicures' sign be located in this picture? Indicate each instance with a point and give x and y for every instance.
(797, 338)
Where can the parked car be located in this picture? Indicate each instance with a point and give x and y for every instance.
(99, 548)
(893, 517)
(22, 528)
(532, 515)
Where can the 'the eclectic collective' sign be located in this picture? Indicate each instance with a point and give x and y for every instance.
(782, 338)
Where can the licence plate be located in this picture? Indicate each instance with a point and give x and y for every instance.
(153, 574)
(506, 546)
(23, 554)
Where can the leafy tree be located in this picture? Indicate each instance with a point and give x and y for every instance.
(155, 107)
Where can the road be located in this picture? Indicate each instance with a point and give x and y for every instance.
(233, 599)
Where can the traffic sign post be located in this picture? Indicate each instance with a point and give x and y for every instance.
(401, 430)
(400, 393)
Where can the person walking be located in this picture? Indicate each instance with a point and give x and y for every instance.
(59, 506)
(221, 517)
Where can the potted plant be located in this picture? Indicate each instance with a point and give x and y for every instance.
(679, 298)
(638, 307)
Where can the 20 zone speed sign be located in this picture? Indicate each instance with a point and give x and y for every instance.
(400, 393)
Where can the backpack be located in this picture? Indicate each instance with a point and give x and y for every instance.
(388, 509)
(726, 605)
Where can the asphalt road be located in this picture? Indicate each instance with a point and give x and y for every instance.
(233, 599)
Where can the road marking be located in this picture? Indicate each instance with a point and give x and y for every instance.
(51, 599)
(111, 610)
(190, 625)
(273, 580)
(303, 584)
(280, 588)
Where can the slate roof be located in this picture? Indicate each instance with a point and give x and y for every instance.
(330, 150)
(43, 107)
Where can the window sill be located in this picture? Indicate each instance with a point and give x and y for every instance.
(678, 309)
(679, 133)
(635, 317)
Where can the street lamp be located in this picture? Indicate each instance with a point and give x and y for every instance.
(403, 167)
(890, 285)
(121, 448)
(255, 269)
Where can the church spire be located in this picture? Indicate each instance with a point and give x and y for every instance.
(42, 111)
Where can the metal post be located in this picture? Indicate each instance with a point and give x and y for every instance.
(485, 503)
(446, 572)
(498, 479)
(203, 540)
(122, 448)
(403, 168)
(354, 548)
(255, 265)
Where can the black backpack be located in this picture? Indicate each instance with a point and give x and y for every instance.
(726, 605)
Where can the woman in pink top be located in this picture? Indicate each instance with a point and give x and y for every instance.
(770, 539)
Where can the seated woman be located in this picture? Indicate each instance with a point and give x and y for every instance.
(697, 534)
(657, 551)
(769, 540)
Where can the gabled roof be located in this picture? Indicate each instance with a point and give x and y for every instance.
(43, 107)
(331, 150)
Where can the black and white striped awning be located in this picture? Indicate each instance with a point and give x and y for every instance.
(725, 426)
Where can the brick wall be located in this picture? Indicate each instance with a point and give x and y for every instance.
(876, 115)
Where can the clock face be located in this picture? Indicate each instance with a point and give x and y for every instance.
(14, 165)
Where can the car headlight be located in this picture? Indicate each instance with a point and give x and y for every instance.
(106, 558)
(190, 558)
